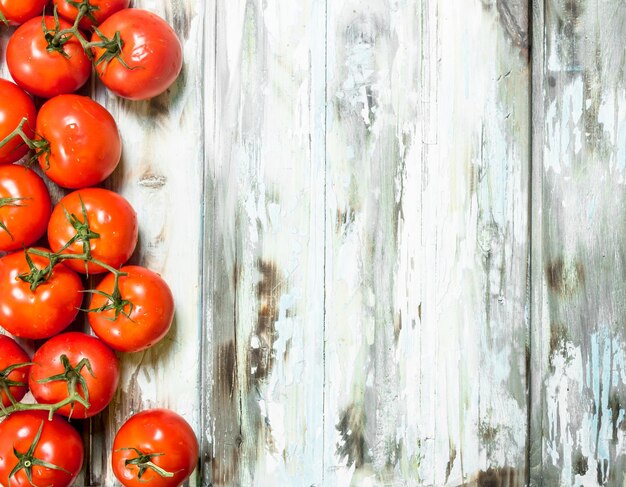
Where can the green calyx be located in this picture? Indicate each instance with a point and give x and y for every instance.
(112, 49)
(36, 276)
(83, 234)
(143, 461)
(6, 383)
(114, 301)
(56, 38)
(75, 380)
(27, 460)
(85, 9)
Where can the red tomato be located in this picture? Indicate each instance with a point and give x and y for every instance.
(159, 436)
(15, 105)
(145, 310)
(43, 312)
(57, 451)
(102, 11)
(12, 377)
(85, 145)
(78, 348)
(18, 12)
(109, 216)
(40, 71)
(150, 49)
(24, 207)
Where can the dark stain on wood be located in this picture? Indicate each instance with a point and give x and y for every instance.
(602, 471)
(559, 338)
(514, 18)
(261, 349)
(226, 452)
(573, 9)
(615, 405)
(353, 446)
(225, 468)
(499, 477)
(451, 459)
(580, 463)
(226, 366)
(564, 279)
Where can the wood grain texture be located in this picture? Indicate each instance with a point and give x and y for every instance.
(427, 243)
(265, 246)
(579, 273)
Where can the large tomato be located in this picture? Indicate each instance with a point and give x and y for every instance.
(13, 372)
(151, 54)
(67, 356)
(38, 451)
(19, 11)
(84, 143)
(41, 70)
(159, 436)
(112, 228)
(97, 10)
(136, 319)
(15, 105)
(24, 207)
(44, 311)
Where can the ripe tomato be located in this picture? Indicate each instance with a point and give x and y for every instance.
(44, 72)
(12, 377)
(19, 12)
(150, 49)
(15, 104)
(102, 11)
(145, 310)
(109, 216)
(85, 145)
(57, 451)
(85, 356)
(43, 312)
(24, 207)
(159, 436)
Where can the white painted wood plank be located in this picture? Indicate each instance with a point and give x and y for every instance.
(427, 248)
(578, 299)
(265, 246)
(161, 174)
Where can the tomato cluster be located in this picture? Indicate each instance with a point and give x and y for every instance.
(46, 249)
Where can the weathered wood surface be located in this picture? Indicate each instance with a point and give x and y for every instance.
(265, 246)
(376, 284)
(428, 153)
(578, 232)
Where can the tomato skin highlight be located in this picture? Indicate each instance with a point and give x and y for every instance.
(76, 346)
(151, 49)
(12, 354)
(109, 215)
(155, 431)
(42, 73)
(41, 313)
(27, 219)
(18, 12)
(85, 144)
(151, 316)
(59, 444)
(15, 104)
(106, 8)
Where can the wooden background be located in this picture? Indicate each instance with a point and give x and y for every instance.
(397, 240)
